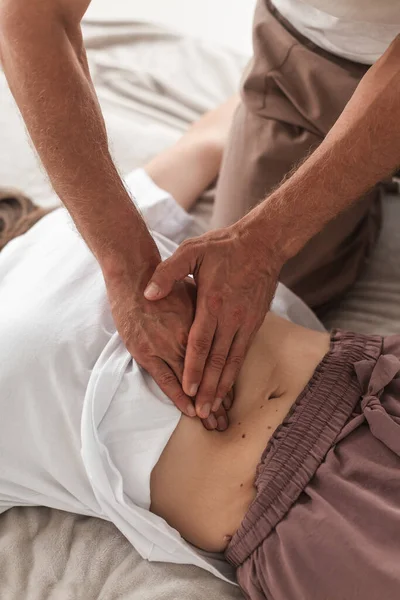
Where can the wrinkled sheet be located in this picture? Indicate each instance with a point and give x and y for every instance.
(151, 84)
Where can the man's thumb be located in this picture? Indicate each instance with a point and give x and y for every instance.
(166, 274)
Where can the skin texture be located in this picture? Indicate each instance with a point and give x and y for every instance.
(236, 269)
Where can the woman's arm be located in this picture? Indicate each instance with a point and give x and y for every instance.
(187, 168)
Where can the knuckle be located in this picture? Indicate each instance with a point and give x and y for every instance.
(186, 250)
(143, 349)
(185, 246)
(166, 378)
(201, 346)
(239, 313)
(216, 361)
(235, 361)
(214, 302)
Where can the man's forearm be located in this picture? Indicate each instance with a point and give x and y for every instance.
(45, 65)
(362, 148)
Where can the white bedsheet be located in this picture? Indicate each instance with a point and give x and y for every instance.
(221, 22)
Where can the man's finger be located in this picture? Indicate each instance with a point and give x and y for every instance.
(175, 268)
(228, 400)
(166, 379)
(234, 362)
(217, 421)
(199, 343)
(216, 360)
(222, 419)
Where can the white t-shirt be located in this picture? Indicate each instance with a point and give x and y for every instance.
(81, 424)
(359, 30)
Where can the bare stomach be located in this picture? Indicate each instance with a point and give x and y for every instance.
(203, 482)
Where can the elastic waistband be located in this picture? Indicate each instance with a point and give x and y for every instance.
(301, 442)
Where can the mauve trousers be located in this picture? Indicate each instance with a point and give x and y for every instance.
(325, 524)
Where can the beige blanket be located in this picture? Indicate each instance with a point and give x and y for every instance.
(151, 84)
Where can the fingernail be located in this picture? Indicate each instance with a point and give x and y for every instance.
(222, 423)
(217, 404)
(193, 389)
(212, 421)
(190, 410)
(204, 411)
(152, 291)
(227, 403)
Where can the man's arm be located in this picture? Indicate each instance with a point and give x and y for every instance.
(45, 63)
(236, 269)
(362, 148)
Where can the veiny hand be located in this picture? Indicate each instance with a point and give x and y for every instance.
(156, 337)
(236, 280)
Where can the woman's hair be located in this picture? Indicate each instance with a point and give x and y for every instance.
(17, 214)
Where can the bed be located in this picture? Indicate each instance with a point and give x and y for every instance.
(151, 84)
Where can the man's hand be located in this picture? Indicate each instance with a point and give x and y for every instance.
(236, 280)
(44, 59)
(156, 336)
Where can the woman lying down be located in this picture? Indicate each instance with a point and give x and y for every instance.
(299, 495)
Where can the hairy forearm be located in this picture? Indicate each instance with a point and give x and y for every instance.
(362, 148)
(46, 68)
